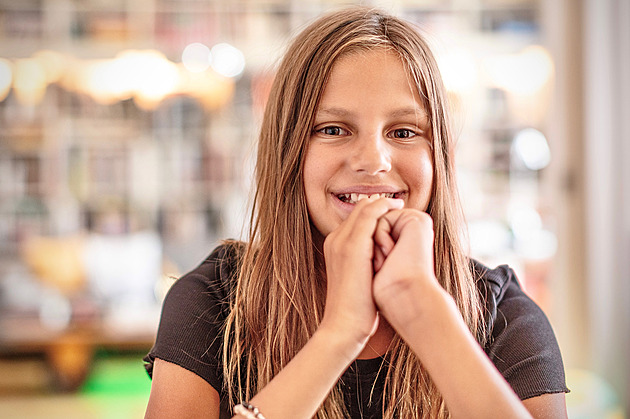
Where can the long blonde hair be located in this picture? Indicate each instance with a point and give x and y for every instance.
(279, 297)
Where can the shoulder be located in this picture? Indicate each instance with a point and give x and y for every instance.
(212, 279)
(505, 302)
(521, 341)
(492, 285)
(220, 265)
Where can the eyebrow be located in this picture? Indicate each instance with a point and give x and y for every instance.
(407, 111)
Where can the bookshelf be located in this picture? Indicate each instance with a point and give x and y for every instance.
(73, 164)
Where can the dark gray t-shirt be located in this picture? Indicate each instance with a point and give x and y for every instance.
(521, 342)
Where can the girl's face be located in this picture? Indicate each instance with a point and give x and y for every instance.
(371, 136)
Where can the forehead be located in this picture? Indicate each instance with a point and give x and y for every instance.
(375, 78)
(369, 62)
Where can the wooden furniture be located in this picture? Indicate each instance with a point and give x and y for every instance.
(69, 352)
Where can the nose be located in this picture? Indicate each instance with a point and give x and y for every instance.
(371, 154)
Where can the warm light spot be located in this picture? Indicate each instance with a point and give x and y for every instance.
(53, 63)
(157, 77)
(211, 89)
(29, 81)
(147, 76)
(103, 80)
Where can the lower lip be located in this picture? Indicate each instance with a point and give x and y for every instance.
(343, 208)
(346, 207)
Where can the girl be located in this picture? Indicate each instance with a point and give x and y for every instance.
(353, 296)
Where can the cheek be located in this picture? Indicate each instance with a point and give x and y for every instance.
(420, 177)
(316, 168)
(311, 174)
(308, 176)
(427, 172)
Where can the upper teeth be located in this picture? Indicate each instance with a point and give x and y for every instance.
(353, 198)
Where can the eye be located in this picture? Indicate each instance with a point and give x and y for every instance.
(332, 131)
(403, 134)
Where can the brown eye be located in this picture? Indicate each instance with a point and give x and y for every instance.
(403, 133)
(332, 131)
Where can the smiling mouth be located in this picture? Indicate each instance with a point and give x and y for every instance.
(353, 198)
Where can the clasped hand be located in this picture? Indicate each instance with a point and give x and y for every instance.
(379, 260)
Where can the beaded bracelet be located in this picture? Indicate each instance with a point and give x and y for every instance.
(248, 410)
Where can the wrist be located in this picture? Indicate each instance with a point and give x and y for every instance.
(418, 308)
(438, 324)
(340, 345)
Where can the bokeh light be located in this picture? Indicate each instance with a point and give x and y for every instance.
(530, 147)
(147, 76)
(227, 60)
(196, 57)
(524, 73)
(157, 77)
(29, 81)
(104, 80)
(459, 70)
(54, 64)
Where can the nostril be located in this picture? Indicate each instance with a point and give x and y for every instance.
(371, 161)
(372, 165)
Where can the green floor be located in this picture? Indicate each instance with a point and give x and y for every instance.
(117, 388)
(116, 376)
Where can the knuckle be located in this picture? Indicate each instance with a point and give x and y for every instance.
(422, 218)
(364, 208)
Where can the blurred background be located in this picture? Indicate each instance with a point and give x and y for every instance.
(127, 132)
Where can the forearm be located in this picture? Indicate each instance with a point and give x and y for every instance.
(303, 384)
(469, 382)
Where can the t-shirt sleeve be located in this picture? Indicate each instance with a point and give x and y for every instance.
(524, 347)
(193, 313)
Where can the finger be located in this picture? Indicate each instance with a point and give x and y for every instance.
(379, 259)
(400, 220)
(365, 215)
(375, 207)
(382, 236)
(420, 221)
